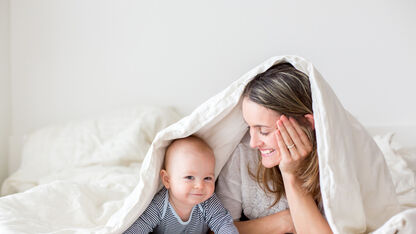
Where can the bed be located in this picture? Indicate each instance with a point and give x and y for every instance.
(98, 176)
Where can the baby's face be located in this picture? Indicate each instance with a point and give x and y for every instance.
(191, 175)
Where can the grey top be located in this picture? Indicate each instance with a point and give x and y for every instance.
(239, 192)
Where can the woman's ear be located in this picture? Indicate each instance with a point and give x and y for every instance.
(165, 178)
(309, 118)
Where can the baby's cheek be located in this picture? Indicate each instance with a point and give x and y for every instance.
(211, 188)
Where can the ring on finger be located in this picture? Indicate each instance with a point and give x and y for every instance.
(290, 146)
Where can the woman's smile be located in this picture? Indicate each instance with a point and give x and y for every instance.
(267, 152)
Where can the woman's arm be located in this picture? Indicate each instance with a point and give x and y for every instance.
(280, 222)
(305, 214)
(294, 147)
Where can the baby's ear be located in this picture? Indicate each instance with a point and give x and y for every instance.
(165, 178)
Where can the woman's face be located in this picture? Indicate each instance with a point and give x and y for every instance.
(262, 124)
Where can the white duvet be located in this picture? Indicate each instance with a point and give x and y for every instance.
(75, 176)
(102, 184)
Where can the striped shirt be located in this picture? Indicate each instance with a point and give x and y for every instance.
(160, 217)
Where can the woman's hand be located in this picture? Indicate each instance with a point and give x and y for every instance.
(294, 144)
(294, 148)
(280, 222)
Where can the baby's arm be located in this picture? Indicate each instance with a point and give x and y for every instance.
(147, 221)
(218, 218)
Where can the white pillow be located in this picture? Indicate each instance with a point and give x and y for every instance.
(120, 138)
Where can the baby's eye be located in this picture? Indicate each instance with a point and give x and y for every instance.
(189, 177)
(208, 178)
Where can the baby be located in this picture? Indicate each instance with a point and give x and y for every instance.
(187, 203)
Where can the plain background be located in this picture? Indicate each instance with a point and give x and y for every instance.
(5, 89)
(67, 60)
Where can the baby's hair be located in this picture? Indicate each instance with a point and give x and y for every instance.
(192, 139)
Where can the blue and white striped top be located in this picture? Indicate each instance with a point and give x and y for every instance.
(160, 217)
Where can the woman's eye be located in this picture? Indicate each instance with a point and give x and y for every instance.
(189, 177)
(208, 178)
(264, 133)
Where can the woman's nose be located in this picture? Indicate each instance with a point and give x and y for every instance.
(254, 141)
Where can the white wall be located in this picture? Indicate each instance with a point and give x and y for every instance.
(71, 59)
(5, 101)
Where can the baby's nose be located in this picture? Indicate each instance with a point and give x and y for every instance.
(198, 184)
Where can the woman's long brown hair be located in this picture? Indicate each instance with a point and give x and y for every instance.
(287, 91)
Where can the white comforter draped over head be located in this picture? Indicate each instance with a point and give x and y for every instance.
(357, 189)
(84, 175)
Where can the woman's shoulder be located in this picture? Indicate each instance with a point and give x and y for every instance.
(235, 181)
(241, 158)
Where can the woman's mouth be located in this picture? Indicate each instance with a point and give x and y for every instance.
(266, 153)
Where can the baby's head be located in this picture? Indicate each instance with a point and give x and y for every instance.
(188, 171)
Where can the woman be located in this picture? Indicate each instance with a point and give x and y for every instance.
(277, 106)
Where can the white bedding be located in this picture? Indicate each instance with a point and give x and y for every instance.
(95, 188)
(74, 177)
